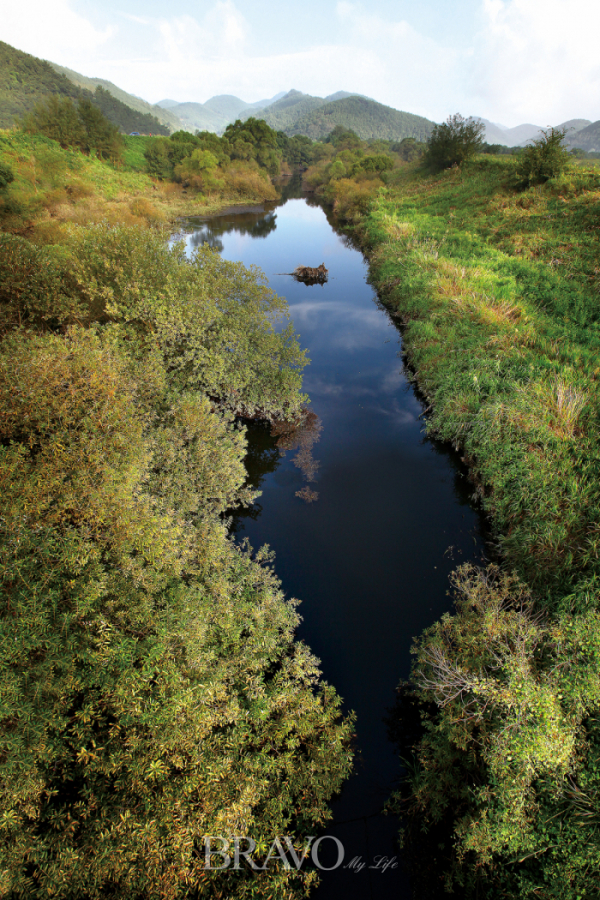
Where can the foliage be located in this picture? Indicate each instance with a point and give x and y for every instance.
(254, 139)
(497, 290)
(152, 688)
(454, 142)
(7, 176)
(82, 127)
(26, 81)
(545, 158)
(506, 753)
(409, 149)
(316, 118)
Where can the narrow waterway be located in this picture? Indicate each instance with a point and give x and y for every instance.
(369, 556)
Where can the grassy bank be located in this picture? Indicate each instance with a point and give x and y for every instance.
(498, 290)
(54, 188)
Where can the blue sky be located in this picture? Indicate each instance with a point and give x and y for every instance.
(511, 61)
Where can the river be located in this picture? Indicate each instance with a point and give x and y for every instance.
(369, 557)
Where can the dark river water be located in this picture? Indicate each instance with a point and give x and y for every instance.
(370, 557)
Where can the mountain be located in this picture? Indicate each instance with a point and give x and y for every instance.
(167, 104)
(341, 95)
(494, 134)
(587, 138)
(199, 117)
(26, 81)
(226, 106)
(164, 116)
(574, 125)
(284, 112)
(316, 118)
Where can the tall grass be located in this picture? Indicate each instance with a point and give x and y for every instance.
(500, 294)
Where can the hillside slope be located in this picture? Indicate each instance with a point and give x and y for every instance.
(163, 115)
(283, 114)
(587, 138)
(24, 81)
(367, 118)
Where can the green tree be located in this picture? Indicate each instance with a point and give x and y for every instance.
(544, 158)
(57, 118)
(510, 702)
(102, 136)
(6, 176)
(83, 126)
(453, 142)
(152, 687)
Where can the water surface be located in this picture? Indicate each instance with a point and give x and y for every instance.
(370, 558)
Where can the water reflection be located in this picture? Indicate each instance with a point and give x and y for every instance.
(370, 560)
(252, 224)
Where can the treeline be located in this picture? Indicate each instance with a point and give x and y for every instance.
(152, 688)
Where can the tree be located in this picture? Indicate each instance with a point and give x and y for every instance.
(544, 158)
(83, 126)
(6, 175)
(453, 142)
(152, 688)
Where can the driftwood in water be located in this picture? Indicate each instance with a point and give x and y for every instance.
(309, 275)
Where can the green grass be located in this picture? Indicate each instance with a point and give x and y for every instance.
(500, 293)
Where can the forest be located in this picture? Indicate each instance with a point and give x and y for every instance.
(150, 657)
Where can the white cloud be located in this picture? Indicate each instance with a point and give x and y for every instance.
(52, 31)
(538, 59)
(195, 58)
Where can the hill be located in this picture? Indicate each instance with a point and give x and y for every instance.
(199, 117)
(284, 113)
(142, 106)
(26, 81)
(587, 138)
(367, 118)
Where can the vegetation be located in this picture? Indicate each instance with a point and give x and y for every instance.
(26, 83)
(82, 127)
(454, 142)
(300, 114)
(153, 691)
(129, 100)
(497, 289)
(544, 158)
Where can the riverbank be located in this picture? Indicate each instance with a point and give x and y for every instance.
(54, 188)
(498, 291)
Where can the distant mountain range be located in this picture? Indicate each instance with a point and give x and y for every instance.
(25, 80)
(520, 135)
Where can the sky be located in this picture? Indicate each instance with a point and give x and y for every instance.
(510, 61)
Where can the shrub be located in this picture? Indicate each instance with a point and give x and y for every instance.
(454, 142)
(545, 158)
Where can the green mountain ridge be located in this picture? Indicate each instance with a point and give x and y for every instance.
(26, 81)
(164, 116)
(367, 118)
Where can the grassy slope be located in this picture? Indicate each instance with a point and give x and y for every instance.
(500, 293)
(367, 118)
(90, 84)
(54, 188)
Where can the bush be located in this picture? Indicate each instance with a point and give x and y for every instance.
(545, 158)
(454, 142)
(6, 175)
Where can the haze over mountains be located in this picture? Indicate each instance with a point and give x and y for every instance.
(25, 79)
